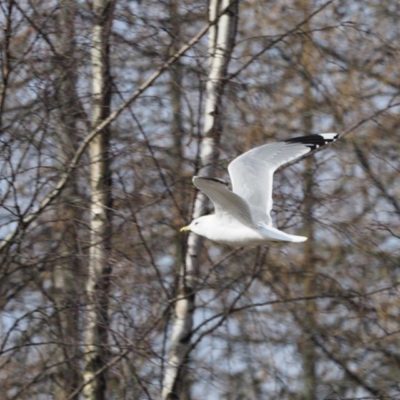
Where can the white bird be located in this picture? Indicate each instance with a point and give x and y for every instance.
(242, 216)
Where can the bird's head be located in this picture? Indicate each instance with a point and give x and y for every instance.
(200, 225)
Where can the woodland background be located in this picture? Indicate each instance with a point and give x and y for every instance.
(96, 294)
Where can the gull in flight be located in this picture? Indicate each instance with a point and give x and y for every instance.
(242, 216)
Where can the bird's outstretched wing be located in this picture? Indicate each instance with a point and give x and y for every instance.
(252, 172)
(224, 201)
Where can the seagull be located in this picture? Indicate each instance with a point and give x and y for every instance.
(242, 216)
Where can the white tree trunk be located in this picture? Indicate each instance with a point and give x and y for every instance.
(221, 42)
(99, 269)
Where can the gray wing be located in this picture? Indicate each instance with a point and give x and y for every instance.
(225, 202)
(252, 172)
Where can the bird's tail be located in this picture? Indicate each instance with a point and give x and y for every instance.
(297, 239)
(275, 234)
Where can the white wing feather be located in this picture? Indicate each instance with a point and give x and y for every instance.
(252, 172)
(224, 201)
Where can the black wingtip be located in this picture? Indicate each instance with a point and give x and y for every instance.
(315, 141)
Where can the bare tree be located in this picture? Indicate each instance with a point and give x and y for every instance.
(66, 289)
(221, 42)
(99, 268)
(318, 320)
(306, 345)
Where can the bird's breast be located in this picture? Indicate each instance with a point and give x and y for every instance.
(234, 233)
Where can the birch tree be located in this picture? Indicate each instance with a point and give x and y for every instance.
(99, 268)
(221, 42)
(284, 322)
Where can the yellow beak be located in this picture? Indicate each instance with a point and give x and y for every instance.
(185, 228)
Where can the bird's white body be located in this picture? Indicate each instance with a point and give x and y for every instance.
(233, 232)
(242, 216)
